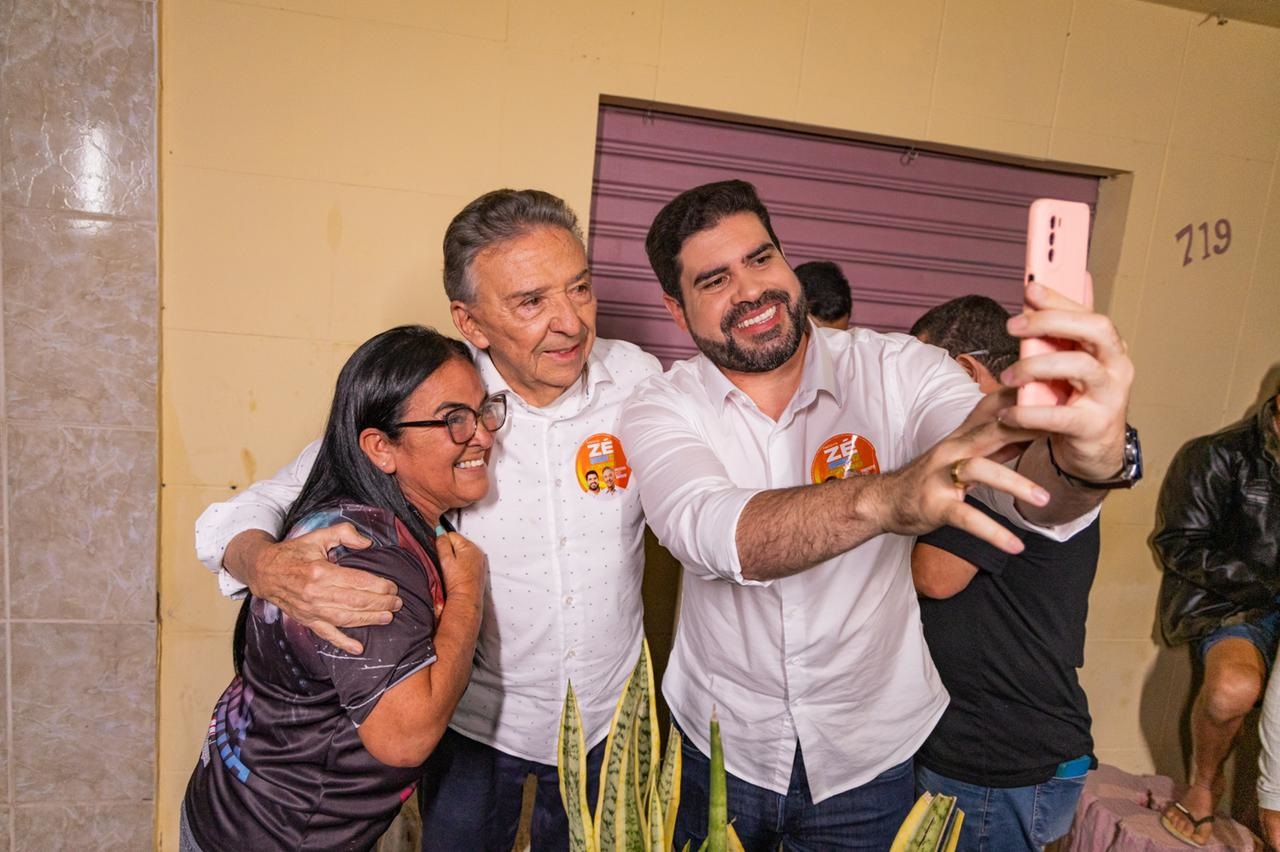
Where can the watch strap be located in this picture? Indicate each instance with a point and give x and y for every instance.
(1127, 477)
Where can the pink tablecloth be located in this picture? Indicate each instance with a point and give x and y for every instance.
(1121, 812)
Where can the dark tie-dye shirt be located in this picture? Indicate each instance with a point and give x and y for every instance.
(283, 766)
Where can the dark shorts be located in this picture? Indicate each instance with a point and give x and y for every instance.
(1261, 633)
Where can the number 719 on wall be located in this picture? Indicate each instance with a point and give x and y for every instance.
(1221, 230)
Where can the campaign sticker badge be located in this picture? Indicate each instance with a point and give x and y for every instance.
(842, 456)
(602, 465)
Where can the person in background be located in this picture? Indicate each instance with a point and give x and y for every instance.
(312, 747)
(798, 624)
(565, 568)
(827, 292)
(1006, 632)
(1217, 536)
(1269, 726)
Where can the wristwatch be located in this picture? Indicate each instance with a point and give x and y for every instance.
(1130, 471)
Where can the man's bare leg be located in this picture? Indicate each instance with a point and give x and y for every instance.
(1234, 673)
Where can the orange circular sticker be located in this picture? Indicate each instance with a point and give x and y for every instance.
(602, 465)
(842, 456)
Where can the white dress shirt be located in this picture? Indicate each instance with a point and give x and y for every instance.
(833, 656)
(565, 563)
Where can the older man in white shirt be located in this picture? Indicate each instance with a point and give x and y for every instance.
(564, 566)
(787, 467)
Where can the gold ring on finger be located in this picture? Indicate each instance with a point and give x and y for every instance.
(956, 467)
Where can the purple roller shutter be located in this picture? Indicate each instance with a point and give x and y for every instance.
(909, 229)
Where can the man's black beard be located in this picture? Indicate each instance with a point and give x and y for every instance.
(775, 351)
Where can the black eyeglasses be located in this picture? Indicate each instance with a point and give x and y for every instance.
(461, 421)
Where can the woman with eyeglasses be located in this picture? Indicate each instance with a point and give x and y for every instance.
(314, 748)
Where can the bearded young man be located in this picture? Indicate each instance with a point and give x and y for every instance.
(798, 625)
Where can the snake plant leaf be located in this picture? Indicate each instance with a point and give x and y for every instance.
(731, 839)
(649, 743)
(954, 836)
(572, 756)
(928, 836)
(657, 838)
(639, 794)
(635, 826)
(625, 716)
(613, 775)
(613, 828)
(907, 830)
(718, 813)
(668, 791)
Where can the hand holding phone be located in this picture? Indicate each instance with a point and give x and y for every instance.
(1057, 248)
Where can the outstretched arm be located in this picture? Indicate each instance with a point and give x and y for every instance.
(785, 531)
(695, 505)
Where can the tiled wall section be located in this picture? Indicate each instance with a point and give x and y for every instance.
(80, 307)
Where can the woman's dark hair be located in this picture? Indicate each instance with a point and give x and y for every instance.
(372, 390)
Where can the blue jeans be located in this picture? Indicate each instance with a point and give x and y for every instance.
(1008, 819)
(471, 793)
(864, 818)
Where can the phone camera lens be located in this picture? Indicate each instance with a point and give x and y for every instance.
(1051, 255)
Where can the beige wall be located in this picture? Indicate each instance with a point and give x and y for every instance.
(312, 155)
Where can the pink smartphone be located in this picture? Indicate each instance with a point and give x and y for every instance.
(1057, 247)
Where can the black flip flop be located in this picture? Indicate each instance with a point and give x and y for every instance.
(1188, 839)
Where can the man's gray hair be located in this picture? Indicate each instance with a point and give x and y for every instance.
(494, 218)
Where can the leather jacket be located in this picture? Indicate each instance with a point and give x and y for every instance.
(1218, 529)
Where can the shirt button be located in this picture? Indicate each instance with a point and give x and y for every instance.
(572, 653)
(563, 541)
(559, 482)
(568, 600)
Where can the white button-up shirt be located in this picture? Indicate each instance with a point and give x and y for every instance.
(565, 563)
(834, 656)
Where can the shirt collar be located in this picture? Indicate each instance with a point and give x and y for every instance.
(595, 373)
(820, 368)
